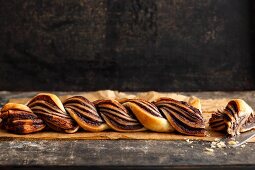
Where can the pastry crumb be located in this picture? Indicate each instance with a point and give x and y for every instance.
(242, 146)
(213, 144)
(192, 146)
(189, 141)
(217, 139)
(221, 145)
(232, 142)
(209, 149)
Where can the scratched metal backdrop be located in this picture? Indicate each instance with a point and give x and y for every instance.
(165, 45)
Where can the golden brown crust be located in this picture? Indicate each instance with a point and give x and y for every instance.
(117, 117)
(15, 106)
(85, 114)
(49, 107)
(195, 102)
(237, 117)
(148, 115)
(183, 117)
(49, 97)
(18, 118)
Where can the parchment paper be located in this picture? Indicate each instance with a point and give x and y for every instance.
(208, 107)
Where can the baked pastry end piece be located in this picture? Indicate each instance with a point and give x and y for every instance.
(20, 119)
(237, 117)
(49, 108)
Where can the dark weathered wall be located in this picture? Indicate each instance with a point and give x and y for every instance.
(166, 45)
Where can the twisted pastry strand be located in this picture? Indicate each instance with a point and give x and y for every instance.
(51, 110)
(183, 117)
(125, 115)
(148, 115)
(18, 118)
(85, 114)
(117, 117)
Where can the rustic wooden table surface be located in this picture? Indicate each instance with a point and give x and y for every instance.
(113, 154)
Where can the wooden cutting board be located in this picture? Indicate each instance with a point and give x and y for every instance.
(208, 107)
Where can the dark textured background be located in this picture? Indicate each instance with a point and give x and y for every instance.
(165, 45)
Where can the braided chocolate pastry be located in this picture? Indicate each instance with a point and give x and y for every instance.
(117, 116)
(237, 117)
(84, 113)
(49, 108)
(124, 115)
(183, 117)
(20, 119)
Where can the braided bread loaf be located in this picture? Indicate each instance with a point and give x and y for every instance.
(125, 115)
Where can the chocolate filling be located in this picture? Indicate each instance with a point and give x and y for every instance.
(250, 122)
(44, 98)
(216, 124)
(148, 104)
(119, 119)
(193, 114)
(42, 113)
(191, 111)
(51, 107)
(179, 104)
(64, 123)
(185, 115)
(130, 113)
(152, 112)
(20, 114)
(114, 109)
(192, 124)
(83, 111)
(54, 127)
(125, 127)
(81, 100)
(110, 102)
(229, 110)
(186, 129)
(88, 121)
(117, 115)
(15, 122)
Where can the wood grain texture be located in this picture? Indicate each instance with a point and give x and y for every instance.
(120, 153)
(135, 45)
